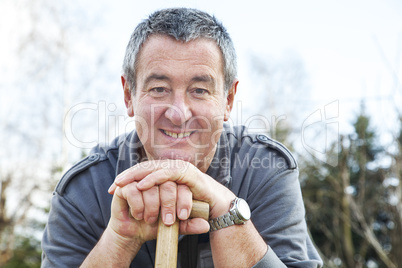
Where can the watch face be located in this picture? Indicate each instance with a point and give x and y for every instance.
(244, 209)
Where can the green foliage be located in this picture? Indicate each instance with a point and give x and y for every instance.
(27, 253)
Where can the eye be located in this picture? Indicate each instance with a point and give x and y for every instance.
(200, 91)
(158, 89)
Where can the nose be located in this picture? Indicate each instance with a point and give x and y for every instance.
(179, 111)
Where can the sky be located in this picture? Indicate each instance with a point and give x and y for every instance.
(350, 50)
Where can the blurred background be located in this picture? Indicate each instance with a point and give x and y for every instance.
(322, 77)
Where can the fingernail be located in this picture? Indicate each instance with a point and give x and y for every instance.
(183, 214)
(111, 188)
(118, 179)
(169, 219)
(140, 184)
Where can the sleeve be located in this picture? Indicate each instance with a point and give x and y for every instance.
(270, 260)
(266, 175)
(68, 237)
(80, 211)
(279, 215)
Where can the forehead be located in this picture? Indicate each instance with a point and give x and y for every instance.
(160, 50)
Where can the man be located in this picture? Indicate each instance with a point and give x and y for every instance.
(179, 82)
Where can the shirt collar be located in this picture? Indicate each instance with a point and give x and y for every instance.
(219, 168)
(131, 152)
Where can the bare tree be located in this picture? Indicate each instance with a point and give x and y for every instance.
(348, 205)
(282, 85)
(47, 74)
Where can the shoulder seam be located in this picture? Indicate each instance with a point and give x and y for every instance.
(280, 147)
(273, 144)
(77, 169)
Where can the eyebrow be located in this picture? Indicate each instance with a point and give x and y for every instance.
(198, 78)
(203, 78)
(160, 77)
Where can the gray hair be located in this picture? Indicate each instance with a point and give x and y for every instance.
(184, 24)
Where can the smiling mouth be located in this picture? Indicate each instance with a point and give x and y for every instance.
(177, 135)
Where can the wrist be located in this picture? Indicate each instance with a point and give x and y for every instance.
(112, 250)
(238, 214)
(123, 248)
(122, 241)
(221, 206)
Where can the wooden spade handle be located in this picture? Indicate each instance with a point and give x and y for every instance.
(168, 237)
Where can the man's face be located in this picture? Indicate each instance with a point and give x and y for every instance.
(179, 102)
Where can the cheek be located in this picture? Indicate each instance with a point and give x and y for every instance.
(149, 113)
(212, 125)
(142, 121)
(211, 116)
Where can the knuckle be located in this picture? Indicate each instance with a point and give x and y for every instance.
(184, 195)
(168, 172)
(183, 189)
(169, 204)
(152, 203)
(136, 212)
(169, 188)
(181, 167)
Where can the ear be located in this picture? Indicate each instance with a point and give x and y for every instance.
(230, 99)
(128, 98)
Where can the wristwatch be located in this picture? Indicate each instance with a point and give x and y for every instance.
(239, 213)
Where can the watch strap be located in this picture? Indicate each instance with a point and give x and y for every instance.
(234, 216)
(223, 221)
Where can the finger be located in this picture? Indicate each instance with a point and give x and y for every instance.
(190, 176)
(127, 176)
(138, 171)
(184, 201)
(168, 195)
(134, 173)
(120, 207)
(194, 226)
(162, 175)
(151, 202)
(112, 188)
(135, 200)
(121, 221)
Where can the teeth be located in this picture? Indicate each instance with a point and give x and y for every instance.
(177, 135)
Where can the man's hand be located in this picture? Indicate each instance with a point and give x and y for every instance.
(134, 220)
(169, 186)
